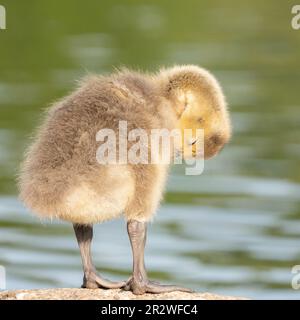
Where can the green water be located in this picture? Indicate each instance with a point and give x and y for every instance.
(235, 229)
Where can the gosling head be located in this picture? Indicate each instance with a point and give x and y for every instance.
(199, 103)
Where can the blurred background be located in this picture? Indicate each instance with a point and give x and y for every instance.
(233, 230)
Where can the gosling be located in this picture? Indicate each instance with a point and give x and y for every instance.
(61, 178)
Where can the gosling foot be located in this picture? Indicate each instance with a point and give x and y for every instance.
(94, 281)
(141, 286)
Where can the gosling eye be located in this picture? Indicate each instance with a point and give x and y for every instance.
(192, 141)
(200, 120)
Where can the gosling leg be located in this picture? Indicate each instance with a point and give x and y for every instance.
(91, 280)
(139, 283)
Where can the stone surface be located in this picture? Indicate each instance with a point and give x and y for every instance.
(99, 294)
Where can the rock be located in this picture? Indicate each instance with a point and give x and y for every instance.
(100, 294)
